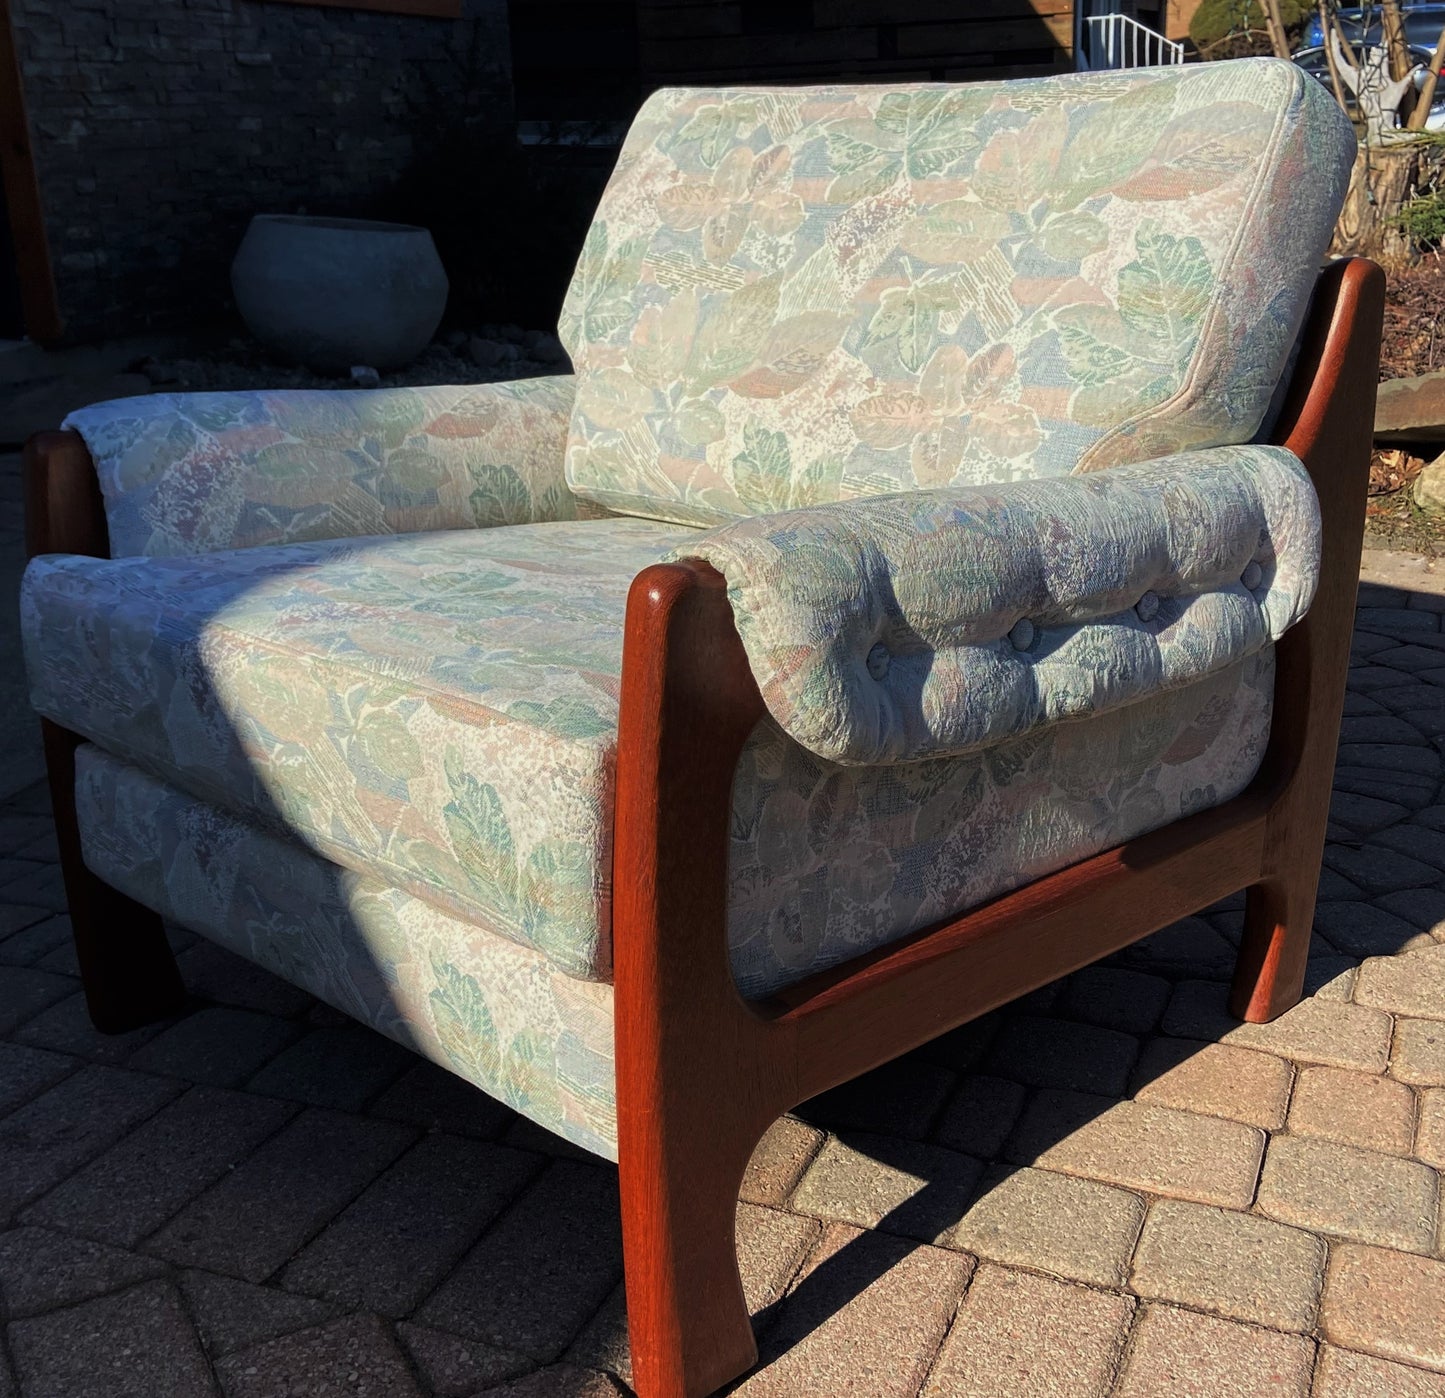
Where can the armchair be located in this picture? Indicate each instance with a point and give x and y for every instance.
(966, 593)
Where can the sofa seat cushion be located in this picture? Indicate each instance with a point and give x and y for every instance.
(495, 1013)
(436, 710)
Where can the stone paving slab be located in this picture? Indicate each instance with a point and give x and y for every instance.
(1108, 1190)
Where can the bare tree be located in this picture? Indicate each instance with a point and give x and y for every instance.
(1426, 98)
(1274, 27)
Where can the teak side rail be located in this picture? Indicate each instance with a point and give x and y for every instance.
(701, 1073)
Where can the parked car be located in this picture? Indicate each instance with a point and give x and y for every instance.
(1317, 65)
(1423, 24)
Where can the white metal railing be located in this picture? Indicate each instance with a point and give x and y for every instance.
(1120, 41)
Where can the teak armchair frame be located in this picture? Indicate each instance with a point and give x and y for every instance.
(701, 1073)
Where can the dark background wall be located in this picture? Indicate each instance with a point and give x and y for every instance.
(160, 126)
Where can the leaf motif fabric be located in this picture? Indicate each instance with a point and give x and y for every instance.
(931, 623)
(499, 1015)
(791, 297)
(829, 861)
(188, 473)
(436, 710)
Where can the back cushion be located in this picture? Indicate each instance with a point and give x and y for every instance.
(797, 295)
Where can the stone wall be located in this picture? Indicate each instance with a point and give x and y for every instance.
(160, 128)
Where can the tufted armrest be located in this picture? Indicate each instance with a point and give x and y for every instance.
(185, 473)
(925, 624)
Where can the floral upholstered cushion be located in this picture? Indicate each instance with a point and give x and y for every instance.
(500, 1015)
(436, 710)
(930, 623)
(798, 295)
(186, 473)
(830, 861)
(439, 715)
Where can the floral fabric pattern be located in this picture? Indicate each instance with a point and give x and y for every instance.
(436, 710)
(828, 862)
(936, 622)
(799, 295)
(499, 1015)
(187, 473)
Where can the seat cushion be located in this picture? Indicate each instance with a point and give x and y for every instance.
(500, 1015)
(439, 714)
(437, 710)
(796, 295)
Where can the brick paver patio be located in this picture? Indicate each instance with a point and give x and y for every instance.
(1107, 1188)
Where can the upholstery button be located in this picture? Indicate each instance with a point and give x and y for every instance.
(878, 661)
(1252, 576)
(1021, 635)
(1147, 607)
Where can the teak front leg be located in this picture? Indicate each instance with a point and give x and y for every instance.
(126, 965)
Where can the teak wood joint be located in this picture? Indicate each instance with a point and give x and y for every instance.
(701, 1073)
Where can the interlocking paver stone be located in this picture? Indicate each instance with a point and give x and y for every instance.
(66, 1028)
(1240, 1266)
(864, 1319)
(1178, 1354)
(38, 885)
(980, 1115)
(1385, 1303)
(1352, 1193)
(779, 1161)
(881, 1182)
(1216, 1079)
(249, 1223)
(1430, 1134)
(387, 1250)
(213, 973)
(1187, 947)
(131, 1189)
(138, 1342)
(1357, 1109)
(1339, 1373)
(217, 1045)
(25, 991)
(27, 946)
(1422, 908)
(539, 1273)
(1377, 868)
(46, 1139)
(27, 1071)
(457, 1368)
(1364, 929)
(355, 1357)
(231, 1315)
(1044, 1052)
(901, 1098)
(1130, 1001)
(603, 1343)
(1031, 1337)
(771, 1247)
(1409, 985)
(1141, 1146)
(40, 1270)
(1418, 1054)
(343, 1067)
(436, 1100)
(1077, 1229)
(1314, 1031)
(559, 1381)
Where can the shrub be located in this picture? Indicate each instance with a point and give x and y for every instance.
(1217, 20)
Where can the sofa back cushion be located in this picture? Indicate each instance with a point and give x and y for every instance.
(797, 295)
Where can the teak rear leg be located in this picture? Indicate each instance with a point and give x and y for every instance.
(126, 965)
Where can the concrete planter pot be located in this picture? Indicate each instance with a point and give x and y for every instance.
(331, 293)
